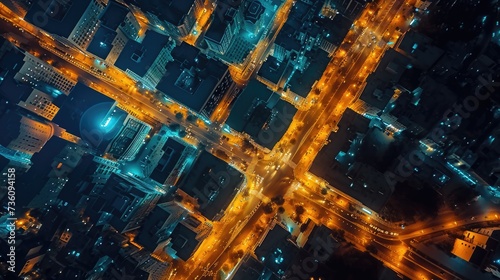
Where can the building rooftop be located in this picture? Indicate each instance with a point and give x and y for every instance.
(216, 30)
(102, 42)
(242, 108)
(191, 77)
(10, 122)
(172, 153)
(113, 15)
(391, 68)
(368, 186)
(10, 89)
(149, 235)
(184, 241)
(420, 48)
(257, 119)
(34, 180)
(283, 113)
(250, 269)
(78, 180)
(360, 181)
(213, 183)
(172, 11)
(223, 15)
(254, 11)
(321, 241)
(301, 81)
(468, 251)
(63, 21)
(123, 197)
(276, 252)
(138, 57)
(274, 71)
(286, 38)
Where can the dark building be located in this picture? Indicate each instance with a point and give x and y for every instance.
(157, 228)
(123, 201)
(74, 20)
(172, 153)
(277, 252)
(145, 61)
(109, 39)
(260, 113)
(213, 183)
(183, 241)
(251, 269)
(28, 253)
(196, 81)
(224, 27)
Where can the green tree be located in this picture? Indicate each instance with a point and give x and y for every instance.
(268, 208)
(191, 118)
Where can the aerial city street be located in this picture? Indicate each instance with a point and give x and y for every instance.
(250, 139)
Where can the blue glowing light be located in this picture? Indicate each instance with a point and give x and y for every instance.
(106, 122)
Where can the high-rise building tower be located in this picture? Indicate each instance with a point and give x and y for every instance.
(24, 134)
(41, 104)
(37, 72)
(73, 20)
(124, 201)
(173, 17)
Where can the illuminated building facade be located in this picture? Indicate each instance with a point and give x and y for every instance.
(87, 25)
(72, 21)
(25, 134)
(16, 158)
(41, 104)
(225, 25)
(117, 25)
(131, 137)
(171, 17)
(35, 72)
(474, 247)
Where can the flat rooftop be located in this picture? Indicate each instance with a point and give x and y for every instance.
(421, 49)
(102, 42)
(283, 113)
(251, 269)
(63, 21)
(191, 77)
(172, 11)
(148, 236)
(301, 82)
(361, 181)
(172, 153)
(138, 57)
(34, 180)
(113, 15)
(260, 113)
(273, 70)
(276, 252)
(184, 241)
(213, 183)
(254, 90)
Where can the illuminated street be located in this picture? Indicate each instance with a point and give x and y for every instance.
(285, 170)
